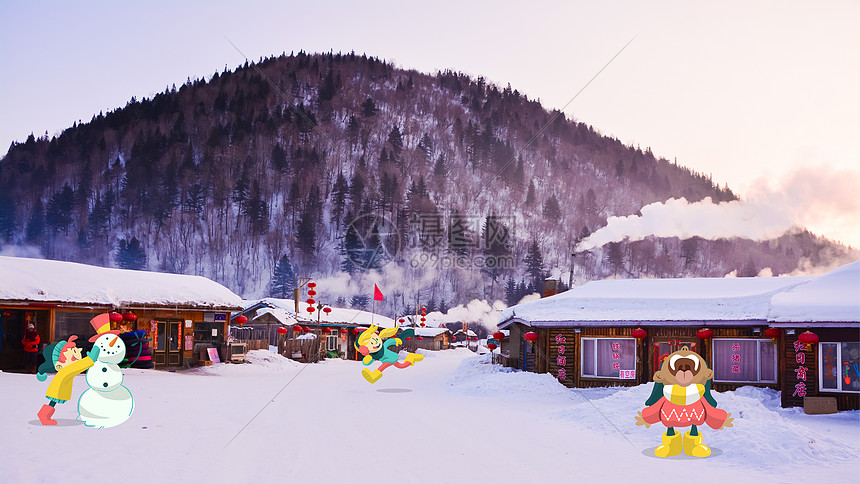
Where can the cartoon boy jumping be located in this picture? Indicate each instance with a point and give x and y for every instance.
(371, 345)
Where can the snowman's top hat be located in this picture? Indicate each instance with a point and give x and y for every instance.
(101, 324)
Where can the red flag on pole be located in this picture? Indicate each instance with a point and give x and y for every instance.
(377, 294)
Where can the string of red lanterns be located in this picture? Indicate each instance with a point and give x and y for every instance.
(311, 294)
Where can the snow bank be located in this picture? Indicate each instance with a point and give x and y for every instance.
(765, 436)
(258, 361)
(477, 376)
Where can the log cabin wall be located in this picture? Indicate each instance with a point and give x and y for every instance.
(604, 332)
(562, 362)
(791, 372)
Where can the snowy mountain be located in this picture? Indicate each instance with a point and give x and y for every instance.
(350, 170)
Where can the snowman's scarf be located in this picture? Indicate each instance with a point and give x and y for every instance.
(139, 352)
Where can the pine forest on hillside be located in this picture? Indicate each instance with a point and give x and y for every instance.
(329, 164)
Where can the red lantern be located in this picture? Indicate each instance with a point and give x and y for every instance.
(311, 309)
(401, 320)
(282, 330)
(423, 310)
(307, 330)
(809, 338)
(531, 336)
(422, 325)
(492, 346)
(326, 310)
(129, 316)
(297, 329)
(310, 301)
(772, 333)
(115, 317)
(705, 333)
(420, 338)
(241, 319)
(342, 330)
(356, 331)
(311, 292)
(312, 285)
(327, 331)
(499, 335)
(639, 334)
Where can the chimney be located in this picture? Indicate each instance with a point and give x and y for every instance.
(550, 287)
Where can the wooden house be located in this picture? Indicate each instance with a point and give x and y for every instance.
(182, 315)
(431, 339)
(617, 332)
(309, 336)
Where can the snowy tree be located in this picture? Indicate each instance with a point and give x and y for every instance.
(551, 209)
(131, 255)
(283, 279)
(534, 265)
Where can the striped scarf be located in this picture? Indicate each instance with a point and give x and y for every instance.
(683, 395)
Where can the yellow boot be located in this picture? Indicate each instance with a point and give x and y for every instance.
(371, 377)
(413, 357)
(694, 446)
(671, 445)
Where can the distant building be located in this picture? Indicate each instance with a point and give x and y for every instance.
(333, 332)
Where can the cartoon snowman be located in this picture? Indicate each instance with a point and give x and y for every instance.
(107, 402)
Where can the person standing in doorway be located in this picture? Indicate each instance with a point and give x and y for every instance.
(31, 342)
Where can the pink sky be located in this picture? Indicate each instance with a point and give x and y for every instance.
(750, 92)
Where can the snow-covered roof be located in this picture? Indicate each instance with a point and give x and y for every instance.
(281, 315)
(657, 301)
(49, 281)
(831, 297)
(469, 333)
(337, 315)
(429, 332)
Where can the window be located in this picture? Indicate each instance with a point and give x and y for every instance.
(839, 368)
(609, 358)
(67, 323)
(744, 360)
(331, 343)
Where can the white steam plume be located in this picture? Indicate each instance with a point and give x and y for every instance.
(476, 311)
(818, 197)
(678, 218)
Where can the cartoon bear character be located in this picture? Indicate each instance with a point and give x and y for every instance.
(682, 398)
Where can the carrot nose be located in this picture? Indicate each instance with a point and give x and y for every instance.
(115, 339)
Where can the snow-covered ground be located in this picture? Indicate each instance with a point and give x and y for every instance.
(451, 418)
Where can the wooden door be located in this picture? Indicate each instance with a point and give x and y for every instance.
(168, 343)
(663, 347)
